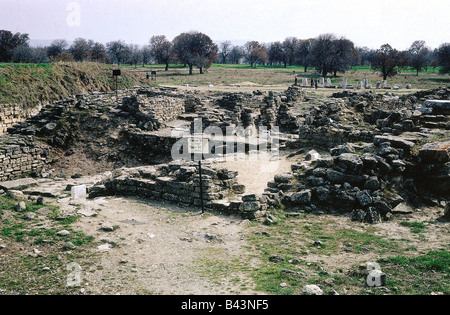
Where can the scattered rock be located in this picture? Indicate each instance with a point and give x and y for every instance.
(15, 194)
(69, 246)
(312, 289)
(104, 247)
(29, 216)
(63, 233)
(402, 208)
(107, 227)
(276, 258)
(21, 206)
(35, 253)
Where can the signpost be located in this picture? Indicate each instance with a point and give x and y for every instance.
(198, 146)
(116, 74)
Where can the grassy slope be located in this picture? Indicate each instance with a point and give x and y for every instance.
(42, 83)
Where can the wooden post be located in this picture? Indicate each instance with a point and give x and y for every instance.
(201, 185)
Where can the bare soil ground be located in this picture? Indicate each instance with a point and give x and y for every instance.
(165, 249)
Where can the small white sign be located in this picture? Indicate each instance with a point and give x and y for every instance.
(78, 192)
(198, 145)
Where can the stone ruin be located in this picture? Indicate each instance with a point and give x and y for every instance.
(378, 153)
(360, 85)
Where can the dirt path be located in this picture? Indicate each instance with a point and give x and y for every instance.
(164, 249)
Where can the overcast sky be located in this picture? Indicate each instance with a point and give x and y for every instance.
(370, 23)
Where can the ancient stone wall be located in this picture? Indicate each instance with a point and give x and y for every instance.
(20, 156)
(11, 114)
(180, 183)
(329, 137)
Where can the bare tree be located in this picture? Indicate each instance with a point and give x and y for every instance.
(22, 54)
(331, 55)
(388, 60)
(344, 54)
(418, 55)
(161, 50)
(366, 55)
(224, 51)
(290, 47)
(443, 58)
(135, 55)
(195, 48)
(98, 53)
(10, 41)
(256, 53)
(118, 51)
(303, 53)
(236, 54)
(146, 55)
(80, 49)
(57, 47)
(276, 53)
(39, 55)
(321, 56)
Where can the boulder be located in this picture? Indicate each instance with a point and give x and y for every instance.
(435, 152)
(372, 183)
(370, 161)
(372, 216)
(322, 194)
(396, 141)
(302, 197)
(312, 156)
(349, 163)
(447, 211)
(340, 149)
(283, 178)
(364, 198)
(15, 194)
(21, 206)
(436, 107)
(312, 290)
(358, 215)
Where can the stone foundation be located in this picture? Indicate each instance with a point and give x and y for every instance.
(20, 156)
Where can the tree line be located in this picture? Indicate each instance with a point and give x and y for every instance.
(327, 53)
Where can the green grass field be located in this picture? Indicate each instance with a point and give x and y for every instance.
(40, 83)
(228, 74)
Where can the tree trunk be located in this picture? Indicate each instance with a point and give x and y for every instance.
(306, 69)
(167, 67)
(201, 70)
(190, 69)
